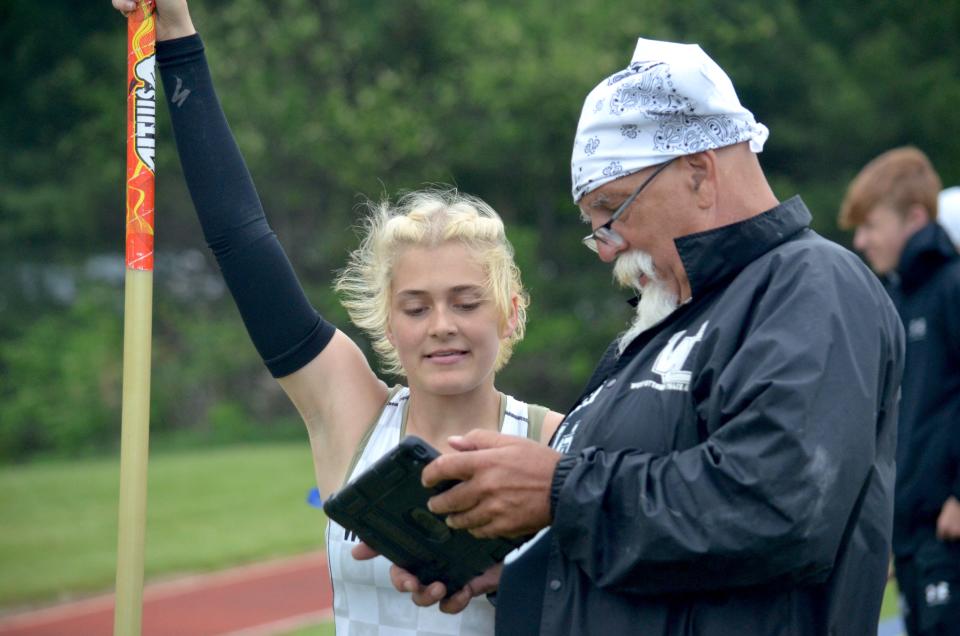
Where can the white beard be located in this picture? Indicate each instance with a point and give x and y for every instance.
(657, 301)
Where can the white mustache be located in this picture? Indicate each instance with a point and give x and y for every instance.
(630, 266)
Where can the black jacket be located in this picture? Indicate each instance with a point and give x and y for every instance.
(926, 292)
(732, 472)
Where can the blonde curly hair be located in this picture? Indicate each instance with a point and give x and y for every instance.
(428, 218)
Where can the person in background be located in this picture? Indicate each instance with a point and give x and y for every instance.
(435, 286)
(729, 467)
(892, 207)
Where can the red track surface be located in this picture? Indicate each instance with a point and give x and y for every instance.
(254, 600)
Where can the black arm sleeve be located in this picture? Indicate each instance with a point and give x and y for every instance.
(286, 330)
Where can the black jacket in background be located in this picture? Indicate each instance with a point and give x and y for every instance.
(926, 292)
(732, 472)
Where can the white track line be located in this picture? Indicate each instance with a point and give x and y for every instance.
(286, 625)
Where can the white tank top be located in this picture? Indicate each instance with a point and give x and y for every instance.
(364, 601)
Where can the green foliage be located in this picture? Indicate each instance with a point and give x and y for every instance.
(208, 509)
(60, 384)
(61, 160)
(61, 378)
(337, 100)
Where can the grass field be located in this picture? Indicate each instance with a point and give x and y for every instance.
(889, 607)
(207, 509)
(326, 629)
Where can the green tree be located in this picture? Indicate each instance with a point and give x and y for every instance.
(338, 100)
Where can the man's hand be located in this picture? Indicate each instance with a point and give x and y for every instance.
(427, 595)
(948, 523)
(506, 484)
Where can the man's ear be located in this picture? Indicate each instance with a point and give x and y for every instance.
(916, 217)
(512, 320)
(703, 177)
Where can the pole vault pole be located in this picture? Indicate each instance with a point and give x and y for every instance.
(138, 317)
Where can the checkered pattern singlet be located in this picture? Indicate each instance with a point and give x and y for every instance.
(364, 601)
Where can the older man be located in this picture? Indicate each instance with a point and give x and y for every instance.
(729, 466)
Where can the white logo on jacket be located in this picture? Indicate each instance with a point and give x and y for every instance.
(563, 438)
(917, 329)
(937, 593)
(670, 362)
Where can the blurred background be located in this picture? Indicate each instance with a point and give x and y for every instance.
(336, 101)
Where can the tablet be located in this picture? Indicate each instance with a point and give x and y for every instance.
(386, 506)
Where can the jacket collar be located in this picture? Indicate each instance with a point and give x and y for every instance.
(719, 254)
(923, 254)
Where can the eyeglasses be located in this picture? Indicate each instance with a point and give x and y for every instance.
(605, 233)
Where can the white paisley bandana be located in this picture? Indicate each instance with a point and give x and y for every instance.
(672, 100)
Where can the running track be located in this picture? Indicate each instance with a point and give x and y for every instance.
(254, 600)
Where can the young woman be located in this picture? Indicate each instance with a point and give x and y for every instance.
(433, 283)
